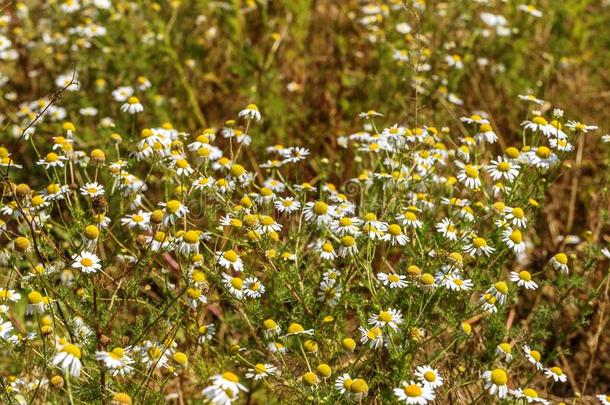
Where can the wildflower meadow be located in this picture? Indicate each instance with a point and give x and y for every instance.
(304, 202)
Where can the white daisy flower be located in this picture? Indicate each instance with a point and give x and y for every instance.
(260, 371)
(392, 280)
(495, 382)
(86, 262)
(68, 359)
(523, 279)
(428, 376)
(230, 260)
(414, 393)
(391, 317)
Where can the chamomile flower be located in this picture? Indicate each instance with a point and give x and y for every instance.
(531, 98)
(392, 280)
(117, 360)
(9, 295)
(514, 240)
(224, 390)
(390, 317)
(327, 251)
(195, 297)
(253, 288)
(250, 113)
(372, 337)
(533, 356)
(555, 373)
(36, 303)
(530, 395)
(343, 382)
(523, 279)
(542, 157)
(488, 303)
(580, 127)
(447, 228)
(173, 210)
(495, 382)
(261, 371)
(276, 347)
(267, 224)
(428, 376)
(139, 220)
(348, 246)
(516, 216)
(295, 329)
(469, 175)
(504, 350)
(230, 260)
(560, 262)
(409, 218)
(453, 281)
(235, 285)
(205, 333)
(287, 205)
(68, 359)
(318, 212)
(92, 189)
(478, 246)
(52, 160)
(414, 393)
(132, 106)
(396, 236)
(486, 134)
(271, 328)
(346, 226)
(503, 168)
(86, 262)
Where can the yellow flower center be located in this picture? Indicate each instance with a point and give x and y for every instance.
(237, 283)
(556, 370)
(230, 255)
(515, 236)
(35, 297)
(270, 324)
(320, 208)
(52, 157)
(525, 275)
(394, 230)
(85, 261)
(503, 166)
(71, 349)
(385, 316)
(193, 293)
(530, 392)
(191, 237)
(472, 172)
(173, 206)
(499, 377)
(561, 258)
(430, 376)
(535, 355)
(538, 120)
(413, 390)
(229, 376)
(479, 242)
(295, 328)
(543, 152)
(348, 241)
(133, 100)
